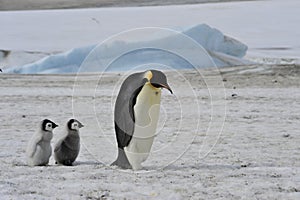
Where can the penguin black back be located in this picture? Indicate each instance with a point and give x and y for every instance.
(124, 107)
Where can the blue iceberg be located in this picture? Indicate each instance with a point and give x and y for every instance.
(222, 50)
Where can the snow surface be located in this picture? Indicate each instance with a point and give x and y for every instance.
(256, 155)
(156, 48)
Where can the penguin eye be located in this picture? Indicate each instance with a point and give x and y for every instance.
(48, 126)
(74, 125)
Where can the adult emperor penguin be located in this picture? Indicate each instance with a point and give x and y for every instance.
(67, 148)
(136, 116)
(39, 148)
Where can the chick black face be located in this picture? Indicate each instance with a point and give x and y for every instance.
(74, 125)
(159, 80)
(48, 125)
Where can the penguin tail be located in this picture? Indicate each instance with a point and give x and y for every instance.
(122, 160)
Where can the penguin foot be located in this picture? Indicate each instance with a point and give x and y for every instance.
(121, 165)
(42, 164)
(122, 160)
(67, 163)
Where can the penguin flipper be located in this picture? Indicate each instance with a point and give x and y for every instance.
(124, 108)
(32, 147)
(123, 140)
(58, 144)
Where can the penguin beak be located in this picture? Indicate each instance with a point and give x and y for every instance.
(54, 125)
(167, 87)
(80, 125)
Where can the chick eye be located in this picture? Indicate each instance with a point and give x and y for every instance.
(49, 125)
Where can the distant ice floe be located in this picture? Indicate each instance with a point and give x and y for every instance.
(223, 50)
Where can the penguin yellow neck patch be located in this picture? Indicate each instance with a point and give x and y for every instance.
(148, 75)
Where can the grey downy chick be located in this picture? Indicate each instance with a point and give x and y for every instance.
(68, 147)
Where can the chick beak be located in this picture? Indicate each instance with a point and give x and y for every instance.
(81, 125)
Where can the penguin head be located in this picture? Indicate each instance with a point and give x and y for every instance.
(74, 125)
(157, 79)
(48, 125)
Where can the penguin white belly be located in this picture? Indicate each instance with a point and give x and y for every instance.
(146, 112)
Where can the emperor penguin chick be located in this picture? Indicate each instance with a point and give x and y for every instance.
(39, 148)
(67, 148)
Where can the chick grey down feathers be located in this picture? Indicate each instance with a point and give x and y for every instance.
(67, 148)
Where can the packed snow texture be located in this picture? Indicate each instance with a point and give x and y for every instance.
(256, 156)
(126, 53)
